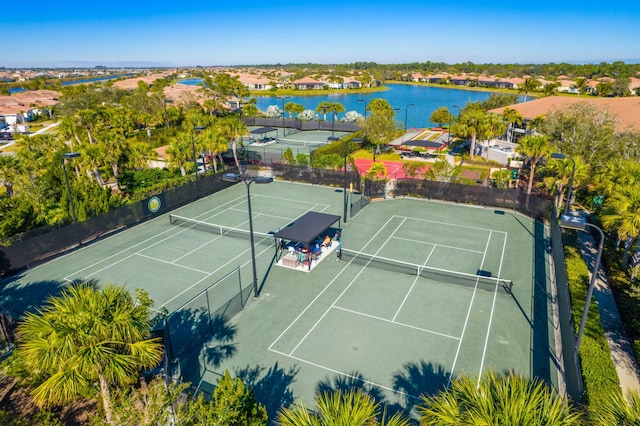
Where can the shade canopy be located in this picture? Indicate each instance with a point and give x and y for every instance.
(423, 143)
(308, 227)
(263, 130)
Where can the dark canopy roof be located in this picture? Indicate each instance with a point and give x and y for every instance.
(422, 143)
(308, 227)
(263, 130)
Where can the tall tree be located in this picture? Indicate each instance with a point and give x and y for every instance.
(530, 84)
(380, 126)
(351, 408)
(494, 126)
(558, 176)
(534, 148)
(232, 129)
(497, 400)
(180, 152)
(323, 107)
(471, 124)
(87, 337)
(581, 85)
(10, 170)
(582, 130)
(622, 214)
(441, 116)
(513, 119)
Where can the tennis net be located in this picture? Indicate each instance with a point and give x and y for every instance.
(482, 282)
(226, 231)
(298, 142)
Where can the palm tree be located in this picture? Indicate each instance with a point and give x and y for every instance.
(138, 153)
(338, 408)
(87, 337)
(9, 172)
(496, 400)
(513, 118)
(376, 170)
(534, 148)
(471, 125)
(92, 156)
(559, 175)
(232, 128)
(529, 84)
(335, 108)
(323, 107)
(216, 143)
(623, 214)
(494, 126)
(581, 85)
(180, 152)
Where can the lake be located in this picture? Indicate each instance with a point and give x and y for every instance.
(70, 83)
(425, 100)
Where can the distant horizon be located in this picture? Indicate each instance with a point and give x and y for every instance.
(167, 34)
(126, 64)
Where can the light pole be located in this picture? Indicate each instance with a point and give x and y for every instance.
(365, 107)
(561, 156)
(344, 192)
(283, 98)
(234, 177)
(68, 156)
(193, 146)
(451, 122)
(579, 223)
(406, 115)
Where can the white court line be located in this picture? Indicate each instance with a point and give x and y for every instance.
(324, 289)
(259, 214)
(466, 320)
(171, 263)
(406, 296)
(137, 244)
(294, 200)
(345, 374)
(345, 290)
(393, 321)
(450, 224)
(439, 245)
(493, 304)
(209, 276)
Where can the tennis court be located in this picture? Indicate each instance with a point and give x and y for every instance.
(424, 291)
(299, 143)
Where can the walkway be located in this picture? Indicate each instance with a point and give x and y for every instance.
(621, 351)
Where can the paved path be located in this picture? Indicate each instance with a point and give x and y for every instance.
(621, 351)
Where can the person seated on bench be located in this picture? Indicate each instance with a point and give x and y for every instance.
(326, 242)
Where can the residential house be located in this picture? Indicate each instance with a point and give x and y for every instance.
(626, 110)
(255, 82)
(308, 83)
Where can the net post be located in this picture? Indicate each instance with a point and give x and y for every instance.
(508, 286)
(206, 294)
(240, 285)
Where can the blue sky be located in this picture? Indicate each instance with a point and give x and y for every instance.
(225, 32)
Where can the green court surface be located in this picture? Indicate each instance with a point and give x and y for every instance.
(348, 322)
(299, 142)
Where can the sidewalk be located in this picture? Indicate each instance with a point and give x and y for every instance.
(621, 351)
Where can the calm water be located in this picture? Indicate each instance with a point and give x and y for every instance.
(425, 100)
(70, 83)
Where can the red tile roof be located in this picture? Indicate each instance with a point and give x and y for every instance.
(626, 110)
